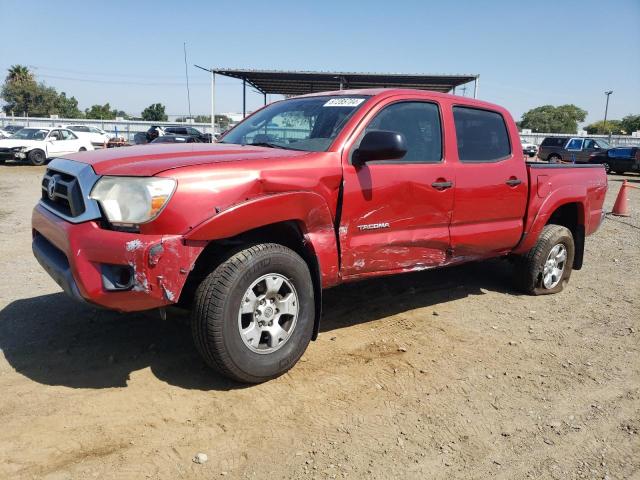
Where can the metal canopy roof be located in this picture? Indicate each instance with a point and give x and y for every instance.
(299, 83)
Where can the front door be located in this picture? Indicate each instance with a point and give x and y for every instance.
(396, 213)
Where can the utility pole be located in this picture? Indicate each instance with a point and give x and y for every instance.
(213, 96)
(186, 74)
(606, 109)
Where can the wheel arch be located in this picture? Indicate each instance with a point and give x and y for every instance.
(301, 221)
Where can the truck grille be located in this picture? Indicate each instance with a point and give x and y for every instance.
(61, 192)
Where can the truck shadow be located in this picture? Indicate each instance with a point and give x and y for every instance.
(54, 340)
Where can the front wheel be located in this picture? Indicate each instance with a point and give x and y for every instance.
(254, 314)
(607, 167)
(37, 157)
(546, 268)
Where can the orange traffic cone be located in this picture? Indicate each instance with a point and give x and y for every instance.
(621, 208)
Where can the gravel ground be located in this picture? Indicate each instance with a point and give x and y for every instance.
(440, 374)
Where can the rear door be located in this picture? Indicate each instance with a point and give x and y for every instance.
(69, 141)
(396, 213)
(55, 144)
(491, 184)
(574, 150)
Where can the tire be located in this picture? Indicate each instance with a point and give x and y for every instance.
(217, 321)
(619, 172)
(37, 157)
(82, 149)
(607, 168)
(554, 158)
(530, 268)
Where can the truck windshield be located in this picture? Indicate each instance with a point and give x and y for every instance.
(309, 124)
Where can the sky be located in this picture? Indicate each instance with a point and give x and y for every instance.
(130, 53)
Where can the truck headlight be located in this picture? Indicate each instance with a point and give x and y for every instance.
(132, 200)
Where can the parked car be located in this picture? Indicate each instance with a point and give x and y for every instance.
(8, 130)
(189, 131)
(96, 136)
(38, 144)
(176, 139)
(247, 232)
(154, 132)
(619, 159)
(570, 149)
(529, 149)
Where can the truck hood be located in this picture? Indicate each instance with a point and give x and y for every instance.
(151, 159)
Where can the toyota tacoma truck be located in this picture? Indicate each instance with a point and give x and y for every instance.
(303, 195)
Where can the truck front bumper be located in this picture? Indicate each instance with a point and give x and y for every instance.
(116, 270)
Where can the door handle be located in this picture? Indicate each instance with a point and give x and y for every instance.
(513, 182)
(442, 185)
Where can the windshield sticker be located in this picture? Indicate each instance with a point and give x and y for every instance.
(344, 102)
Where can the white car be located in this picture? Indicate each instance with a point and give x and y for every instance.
(95, 135)
(39, 144)
(529, 149)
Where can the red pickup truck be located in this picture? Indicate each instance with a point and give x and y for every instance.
(303, 195)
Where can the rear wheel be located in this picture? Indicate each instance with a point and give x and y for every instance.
(254, 314)
(607, 167)
(554, 158)
(82, 149)
(546, 268)
(619, 172)
(37, 157)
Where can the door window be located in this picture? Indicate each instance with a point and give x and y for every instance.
(481, 135)
(589, 144)
(419, 123)
(67, 135)
(575, 144)
(55, 134)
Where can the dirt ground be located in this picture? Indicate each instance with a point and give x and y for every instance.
(440, 374)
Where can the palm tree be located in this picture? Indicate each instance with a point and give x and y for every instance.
(19, 73)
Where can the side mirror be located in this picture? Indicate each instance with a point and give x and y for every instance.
(380, 145)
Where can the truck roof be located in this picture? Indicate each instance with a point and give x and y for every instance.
(389, 92)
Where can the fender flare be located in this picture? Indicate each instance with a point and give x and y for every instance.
(559, 197)
(308, 209)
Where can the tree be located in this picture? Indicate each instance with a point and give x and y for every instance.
(102, 112)
(630, 123)
(67, 107)
(23, 95)
(222, 121)
(19, 73)
(599, 128)
(154, 113)
(550, 119)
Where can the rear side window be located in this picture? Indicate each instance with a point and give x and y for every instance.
(481, 134)
(553, 142)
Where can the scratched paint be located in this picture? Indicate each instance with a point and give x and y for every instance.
(133, 245)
